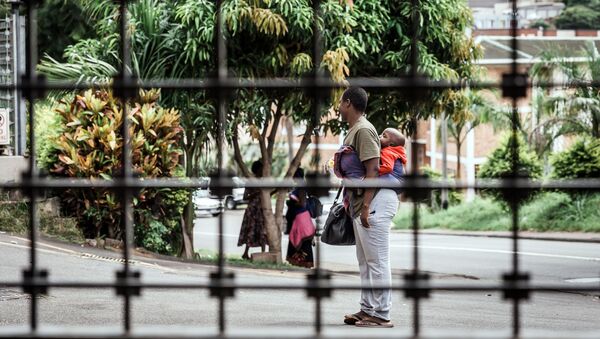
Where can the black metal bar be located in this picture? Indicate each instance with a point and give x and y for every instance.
(590, 184)
(414, 73)
(323, 284)
(30, 64)
(292, 83)
(126, 161)
(316, 106)
(515, 159)
(222, 72)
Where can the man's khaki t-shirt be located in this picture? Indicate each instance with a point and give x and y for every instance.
(363, 137)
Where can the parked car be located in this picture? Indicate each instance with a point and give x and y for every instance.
(206, 204)
(237, 197)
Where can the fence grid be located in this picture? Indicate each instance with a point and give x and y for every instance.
(416, 285)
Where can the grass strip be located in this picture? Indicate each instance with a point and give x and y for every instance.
(548, 212)
(211, 258)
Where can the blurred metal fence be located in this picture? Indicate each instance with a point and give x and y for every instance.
(515, 285)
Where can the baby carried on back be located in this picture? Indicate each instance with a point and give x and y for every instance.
(392, 161)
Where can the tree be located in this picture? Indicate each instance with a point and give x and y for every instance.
(502, 164)
(540, 24)
(578, 17)
(582, 160)
(574, 107)
(478, 111)
(445, 52)
(72, 26)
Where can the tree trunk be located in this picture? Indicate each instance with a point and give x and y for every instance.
(187, 248)
(273, 233)
(187, 228)
(289, 128)
(595, 125)
(458, 164)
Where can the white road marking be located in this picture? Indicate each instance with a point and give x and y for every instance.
(58, 250)
(216, 234)
(547, 255)
(583, 280)
(27, 247)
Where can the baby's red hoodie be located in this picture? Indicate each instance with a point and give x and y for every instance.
(388, 157)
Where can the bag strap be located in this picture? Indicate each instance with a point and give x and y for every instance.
(338, 195)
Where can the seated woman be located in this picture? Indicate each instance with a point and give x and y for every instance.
(300, 227)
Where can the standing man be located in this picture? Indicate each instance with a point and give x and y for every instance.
(372, 211)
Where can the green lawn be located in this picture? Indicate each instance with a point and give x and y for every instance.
(550, 211)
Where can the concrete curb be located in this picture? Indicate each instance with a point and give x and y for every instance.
(545, 236)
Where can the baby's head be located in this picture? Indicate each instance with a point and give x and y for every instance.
(391, 137)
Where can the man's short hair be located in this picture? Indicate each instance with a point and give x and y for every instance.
(358, 98)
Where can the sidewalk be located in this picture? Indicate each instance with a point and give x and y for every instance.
(547, 236)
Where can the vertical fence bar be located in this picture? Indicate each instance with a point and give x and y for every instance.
(126, 191)
(515, 159)
(30, 64)
(414, 73)
(316, 106)
(222, 70)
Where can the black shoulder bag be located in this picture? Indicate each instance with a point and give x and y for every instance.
(338, 229)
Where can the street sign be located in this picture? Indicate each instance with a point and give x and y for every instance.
(4, 122)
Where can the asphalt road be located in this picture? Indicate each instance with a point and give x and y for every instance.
(449, 258)
(483, 259)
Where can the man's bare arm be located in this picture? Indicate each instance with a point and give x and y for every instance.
(372, 172)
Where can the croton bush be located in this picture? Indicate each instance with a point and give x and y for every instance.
(89, 144)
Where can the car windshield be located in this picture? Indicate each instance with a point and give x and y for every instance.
(202, 193)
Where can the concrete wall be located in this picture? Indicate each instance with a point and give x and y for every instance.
(12, 168)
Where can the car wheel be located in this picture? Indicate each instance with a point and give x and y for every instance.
(215, 214)
(230, 203)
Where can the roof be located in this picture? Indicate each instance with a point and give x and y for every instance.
(498, 50)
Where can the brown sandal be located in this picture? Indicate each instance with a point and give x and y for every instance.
(373, 322)
(351, 319)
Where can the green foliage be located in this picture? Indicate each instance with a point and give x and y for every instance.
(582, 160)
(445, 52)
(578, 17)
(4, 9)
(435, 200)
(502, 164)
(478, 215)
(14, 218)
(548, 212)
(540, 23)
(48, 127)
(55, 35)
(90, 145)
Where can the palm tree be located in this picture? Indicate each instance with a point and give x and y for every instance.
(575, 107)
(477, 110)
